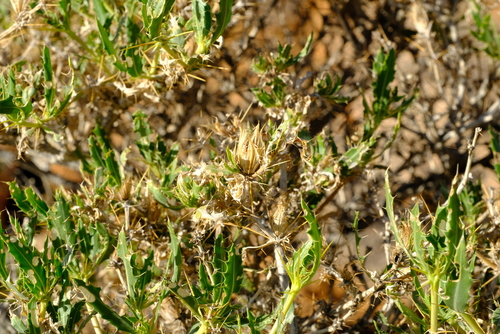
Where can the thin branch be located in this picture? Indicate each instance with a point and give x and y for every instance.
(470, 147)
(465, 177)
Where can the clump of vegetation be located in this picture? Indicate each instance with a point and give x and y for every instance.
(220, 234)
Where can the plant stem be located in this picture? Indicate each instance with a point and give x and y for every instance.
(471, 321)
(202, 329)
(289, 301)
(434, 287)
(283, 278)
(283, 312)
(175, 55)
(32, 125)
(154, 65)
(94, 320)
(43, 310)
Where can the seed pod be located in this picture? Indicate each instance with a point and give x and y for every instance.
(250, 151)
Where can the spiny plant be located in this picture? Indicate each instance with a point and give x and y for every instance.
(187, 234)
(254, 190)
(485, 32)
(435, 260)
(134, 47)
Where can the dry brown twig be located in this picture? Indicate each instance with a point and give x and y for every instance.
(22, 17)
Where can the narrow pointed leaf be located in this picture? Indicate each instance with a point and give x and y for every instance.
(30, 262)
(175, 256)
(222, 18)
(92, 296)
(457, 289)
(233, 275)
(124, 254)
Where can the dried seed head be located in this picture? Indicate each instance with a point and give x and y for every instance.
(236, 186)
(250, 151)
(420, 19)
(279, 217)
(154, 210)
(125, 190)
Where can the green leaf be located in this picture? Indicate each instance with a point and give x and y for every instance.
(252, 324)
(223, 17)
(100, 180)
(496, 320)
(357, 156)
(67, 98)
(141, 126)
(205, 284)
(65, 6)
(109, 47)
(72, 318)
(37, 203)
(96, 153)
(357, 238)
(282, 320)
(92, 296)
(383, 67)
(315, 236)
(107, 156)
(186, 298)
(101, 243)
(61, 219)
(20, 198)
(218, 264)
(133, 36)
(176, 255)
(100, 11)
(159, 10)
(113, 168)
(381, 108)
(454, 227)
(7, 106)
(408, 312)
(328, 89)
(4, 272)
(233, 274)
(124, 254)
(277, 95)
(68, 315)
(145, 270)
(260, 65)
(389, 208)
(266, 99)
(486, 33)
(31, 263)
(457, 289)
(33, 323)
(11, 83)
(306, 49)
(50, 91)
(284, 60)
(202, 18)
(421, 252)
(159, 196)
(18, 324)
